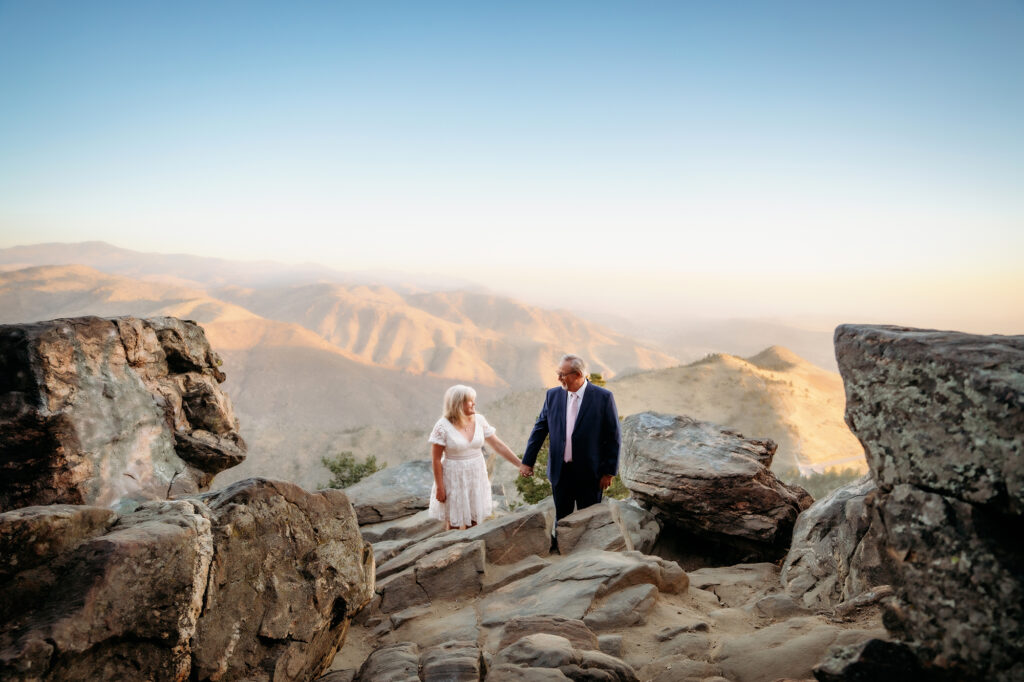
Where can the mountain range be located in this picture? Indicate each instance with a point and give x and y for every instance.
(320, 361)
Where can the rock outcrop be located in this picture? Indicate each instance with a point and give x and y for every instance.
(941, 418)
(710, 483)
(393, 493)
(257, 581)
(111, 411)
(940, 411)
(837, 552)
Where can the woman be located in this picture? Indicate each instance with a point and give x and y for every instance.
(461, 496)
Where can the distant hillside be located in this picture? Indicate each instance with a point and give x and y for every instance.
(344, 367)
(477, 338)
(774, 394)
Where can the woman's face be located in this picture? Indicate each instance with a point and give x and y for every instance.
(469, 407)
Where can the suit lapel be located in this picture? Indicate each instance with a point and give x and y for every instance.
(588, 399)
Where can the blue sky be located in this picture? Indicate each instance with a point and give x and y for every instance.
(783, 158)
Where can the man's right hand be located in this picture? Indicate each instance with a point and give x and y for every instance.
(525, 470)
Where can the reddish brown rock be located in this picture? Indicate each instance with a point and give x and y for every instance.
(712, 484)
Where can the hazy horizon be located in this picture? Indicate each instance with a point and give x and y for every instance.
(657, 161)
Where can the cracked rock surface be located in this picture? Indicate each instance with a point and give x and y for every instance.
(255, 582)
(110, 412)
(941, 417)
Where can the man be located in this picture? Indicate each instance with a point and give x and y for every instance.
(583, 424)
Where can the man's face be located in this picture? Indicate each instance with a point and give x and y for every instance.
(570, 379)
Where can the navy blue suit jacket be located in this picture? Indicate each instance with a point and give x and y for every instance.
(595, 438)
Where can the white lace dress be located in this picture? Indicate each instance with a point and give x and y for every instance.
(464, 473)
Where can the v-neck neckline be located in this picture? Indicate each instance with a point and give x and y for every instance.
(462, 435)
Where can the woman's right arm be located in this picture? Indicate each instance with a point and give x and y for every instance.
(435, 453)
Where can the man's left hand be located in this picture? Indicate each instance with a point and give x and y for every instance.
(606, 481)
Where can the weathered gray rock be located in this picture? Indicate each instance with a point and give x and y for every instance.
(696, 646)
(297, 562)
(508, 539)
(670, 631)
(598, 526)
(544, 650)
(432, 631)
(453, 661)
(498, 576)
(392, 493)
(570, 587)
(942, 411)
(779, 607)
(790, 649)
(875, 660)
(119, 602)
(452, 572)
(736, 585)
(611, 645)
(35, 535)
(940, 415)
(507, 672)
(399, 591)
(398, 662)
(622, 609)
(413, 528)
(575, 631)
(641, 525)
(386, 550)
(254, 581)
(711, 483)
(835, 554)
(961, 600)
(109, 411)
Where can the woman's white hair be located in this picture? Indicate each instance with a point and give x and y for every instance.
(454, 398)
(576, 362)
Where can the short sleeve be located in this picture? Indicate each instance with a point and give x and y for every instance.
(485, 426)
(439, 436)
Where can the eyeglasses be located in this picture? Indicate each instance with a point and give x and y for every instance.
(562, 375)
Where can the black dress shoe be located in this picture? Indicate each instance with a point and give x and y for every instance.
(554, 545)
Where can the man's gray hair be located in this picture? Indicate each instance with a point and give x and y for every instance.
(576, 362)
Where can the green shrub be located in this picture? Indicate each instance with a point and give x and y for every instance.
(819, 485)
(347, 470)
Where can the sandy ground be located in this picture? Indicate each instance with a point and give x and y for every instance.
(727, 617)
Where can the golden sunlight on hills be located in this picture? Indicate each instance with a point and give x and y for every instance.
(477, 338)
(774, 394)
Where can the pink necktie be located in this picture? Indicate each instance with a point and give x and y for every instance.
(570, 423)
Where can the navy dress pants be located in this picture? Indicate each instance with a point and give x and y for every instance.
(577, 489)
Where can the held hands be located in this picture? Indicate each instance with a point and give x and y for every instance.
(525, 471)
(606, 481)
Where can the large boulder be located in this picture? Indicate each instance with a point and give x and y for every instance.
(941, 417)
(961, 593)
(837, 551)
(392, 493)
(109, 411)
(942, 411)
(710, 483)
(257, 581)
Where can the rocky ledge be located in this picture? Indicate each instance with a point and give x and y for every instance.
(109, 411)
(257, 582)
(710, 486)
